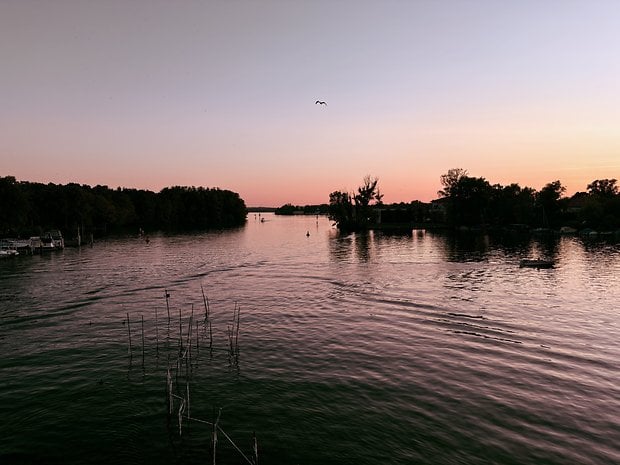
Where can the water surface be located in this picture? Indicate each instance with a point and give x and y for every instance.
(372, 348)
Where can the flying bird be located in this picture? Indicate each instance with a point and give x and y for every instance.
(320, 102)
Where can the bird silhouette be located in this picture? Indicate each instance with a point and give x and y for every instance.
(320, 102)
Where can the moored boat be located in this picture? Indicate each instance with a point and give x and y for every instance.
(8, 249)
(46, 243)
(51, 240)
(57, 239)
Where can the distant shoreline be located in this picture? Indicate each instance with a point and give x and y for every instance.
(261, 209)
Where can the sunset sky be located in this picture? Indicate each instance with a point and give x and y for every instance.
(149, 94)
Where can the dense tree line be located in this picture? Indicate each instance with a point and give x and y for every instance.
(467, 201)
(27, 208)
(473, 201)
(290, 209)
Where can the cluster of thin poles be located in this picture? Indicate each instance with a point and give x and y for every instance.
(182, 365)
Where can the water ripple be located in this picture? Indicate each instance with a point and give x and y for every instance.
(358, 349)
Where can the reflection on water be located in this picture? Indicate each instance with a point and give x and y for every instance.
(451, 247)
(360, 348)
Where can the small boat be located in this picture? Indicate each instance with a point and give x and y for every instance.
(8, 249)
(51, 240)
(46, 243)
(8, 253)
(57, 239)
(536, 263)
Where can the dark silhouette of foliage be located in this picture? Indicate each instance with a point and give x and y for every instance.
(511, 205)
(14, 207)
(549, 205)
(355, 212)
(290, 209)
(472, 201)
(600, 208)
(450, 180)
(341, 210)
(468, 198)
(603, 187)
(29, 208)
(405, 214)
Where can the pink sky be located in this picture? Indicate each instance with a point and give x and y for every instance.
(221, 94)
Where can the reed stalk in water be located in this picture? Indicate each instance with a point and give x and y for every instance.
(181, 410)
(142, 316)
(210, 337)
(129, 334)
(237, 332)
(215, 428)
(197, 340)
(180, 333)
(167, 295)
(156, 334)
(169, 386)
(206, 304)
(188, 350)
(187, 393)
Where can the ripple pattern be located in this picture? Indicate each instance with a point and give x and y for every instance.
(396, 349)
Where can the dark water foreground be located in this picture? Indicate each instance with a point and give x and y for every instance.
(375, 349)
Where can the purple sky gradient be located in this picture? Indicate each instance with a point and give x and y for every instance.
(150, 94)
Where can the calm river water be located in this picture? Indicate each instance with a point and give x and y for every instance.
(356, 349)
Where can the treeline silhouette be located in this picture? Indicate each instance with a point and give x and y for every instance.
(290, 209)
(28, 208)
(473, 202)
